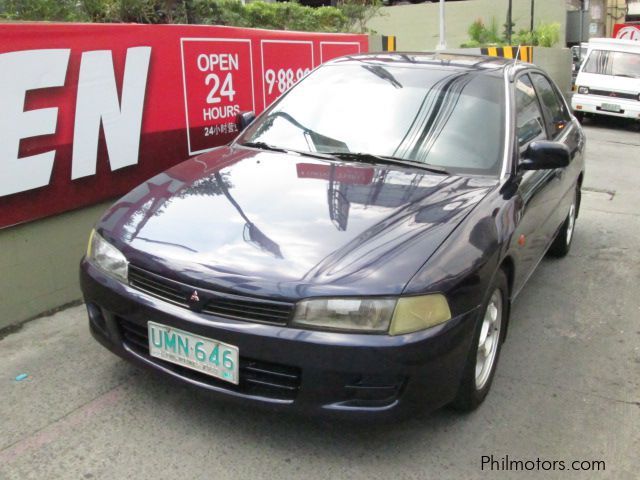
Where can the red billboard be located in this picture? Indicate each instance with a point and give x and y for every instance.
(88, 111)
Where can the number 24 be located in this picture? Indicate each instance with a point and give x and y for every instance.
(226, 90)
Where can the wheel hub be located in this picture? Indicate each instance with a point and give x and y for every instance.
(489, 339)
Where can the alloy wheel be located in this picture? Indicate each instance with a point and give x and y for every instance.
(489, 339)
(571, 221)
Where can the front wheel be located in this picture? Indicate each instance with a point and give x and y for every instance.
(485, 350)
(562, 243)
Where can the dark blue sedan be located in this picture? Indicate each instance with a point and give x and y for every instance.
(357, 248)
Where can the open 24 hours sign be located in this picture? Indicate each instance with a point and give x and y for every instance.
(218, 85)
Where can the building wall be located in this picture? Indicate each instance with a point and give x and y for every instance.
(39, 263)
(416, 26)
(602, 15)
(616, 10)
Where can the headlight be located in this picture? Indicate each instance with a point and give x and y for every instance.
(364, 315)
(107, 257)
(583, 90)
(417, 313)
(374, 315)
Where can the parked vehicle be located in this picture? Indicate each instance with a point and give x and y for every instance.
(356, 250)
(609, 80)
(578, 54)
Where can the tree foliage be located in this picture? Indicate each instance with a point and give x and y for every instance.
(348, 16)
(359, 12)
(54, 10)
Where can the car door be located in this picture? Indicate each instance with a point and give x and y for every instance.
(560, 128)
(536, 190)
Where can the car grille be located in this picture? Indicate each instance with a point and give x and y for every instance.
(257, 378)
(611, 94)
(157, 286)
(215, 303)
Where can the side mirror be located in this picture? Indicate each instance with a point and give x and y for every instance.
(244, 119)
(545, 155)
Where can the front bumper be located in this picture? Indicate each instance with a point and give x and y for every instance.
(307, 371)
(594, 104)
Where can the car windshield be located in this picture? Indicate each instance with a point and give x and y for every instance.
(608, 62)
(446, 117)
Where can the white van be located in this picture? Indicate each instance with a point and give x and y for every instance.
(609, 80)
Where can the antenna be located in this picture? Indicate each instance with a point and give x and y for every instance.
(517, 54)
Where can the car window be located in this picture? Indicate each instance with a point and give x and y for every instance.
(453, 118)
(529, 119)
(608, 62)
(555, 111)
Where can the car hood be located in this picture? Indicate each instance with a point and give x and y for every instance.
(287, 226)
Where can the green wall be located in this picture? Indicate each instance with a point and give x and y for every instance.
(39, 263)
(417, 26)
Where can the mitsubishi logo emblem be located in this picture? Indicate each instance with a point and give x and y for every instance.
(194, 297)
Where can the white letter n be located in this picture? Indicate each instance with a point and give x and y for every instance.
(98, 102)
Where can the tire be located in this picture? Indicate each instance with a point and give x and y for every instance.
(478, 374)
(562, 243)
(579, 116)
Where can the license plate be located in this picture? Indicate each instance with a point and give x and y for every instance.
(205, 355)
(611, 107)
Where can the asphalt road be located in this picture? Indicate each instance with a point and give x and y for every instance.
(567, 387)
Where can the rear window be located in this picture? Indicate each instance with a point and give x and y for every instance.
(608, 62)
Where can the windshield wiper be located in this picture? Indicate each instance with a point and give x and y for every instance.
(264, 146)
(359, 157)
(371, 158)
(273, 148)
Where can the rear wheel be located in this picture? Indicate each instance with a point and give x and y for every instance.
(485, 350)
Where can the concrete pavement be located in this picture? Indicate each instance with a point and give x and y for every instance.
(567, 387)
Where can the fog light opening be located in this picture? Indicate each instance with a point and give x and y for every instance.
(369, 391)
(97, 318)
